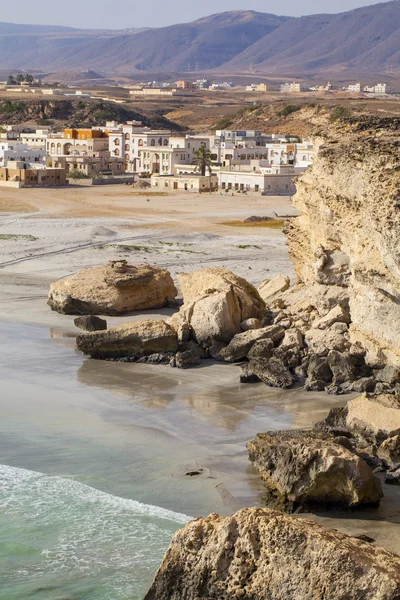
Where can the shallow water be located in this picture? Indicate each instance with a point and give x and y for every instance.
(95, 454)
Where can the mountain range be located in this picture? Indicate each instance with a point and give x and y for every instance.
(364, 40)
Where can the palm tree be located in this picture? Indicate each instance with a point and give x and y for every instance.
(203, 161)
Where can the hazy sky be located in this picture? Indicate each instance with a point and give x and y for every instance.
(120, 14)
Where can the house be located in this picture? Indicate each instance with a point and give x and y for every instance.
(354, 87)
(16, 152)
(77, 142)
(21, 175)
(190, 182)
(267, 180)
(291, 87)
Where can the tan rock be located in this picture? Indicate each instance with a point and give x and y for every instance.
(241, 343)
(114, 289)
(389, 451)
(376, 418)
(140, 338)
(335, 315)
(322, 342)
(270, 288)
(216, 302)
(261, 554)
(302, 468)
(251, 324)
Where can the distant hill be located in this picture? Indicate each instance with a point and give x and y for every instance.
(364, 40)
(16, 28)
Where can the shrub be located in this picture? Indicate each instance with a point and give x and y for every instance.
(76, 174)
(340, 112)
(288, 110)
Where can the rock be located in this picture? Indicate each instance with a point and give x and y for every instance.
(261, 349)
(301, 469)
(114, 289)
(181, 326)
(375, 419)
(270, 288)
(159, 358)
(215, 349)
(388, 374)
(343, 367)
(262, 554)
(251, 324)
(339, 328)
(335, 315)
(90, 323)
(189, 355)
(247, 376)
(319, 370)
(272, 372)
(241, 343)
(293, 339)
(365, 384)
(393, 478)
(321, 342)
(136, 339)
(216, 302)
(334, 422)
(389, 451)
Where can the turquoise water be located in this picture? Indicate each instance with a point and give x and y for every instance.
(93, 458)
(62, 539)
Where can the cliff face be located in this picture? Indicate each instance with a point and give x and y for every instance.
(346, 241)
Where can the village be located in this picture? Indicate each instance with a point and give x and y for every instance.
(132, 153)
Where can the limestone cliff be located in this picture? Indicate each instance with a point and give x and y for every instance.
(349, 230)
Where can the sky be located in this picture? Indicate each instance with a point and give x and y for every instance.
(121, 14)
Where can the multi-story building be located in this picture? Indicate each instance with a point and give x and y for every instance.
(354, 87)
(19, 174)
(152, 151)
(35, 139)
(290, 153)
(185, 85)
(379, 88)
(16, 152)
(77, 142)
(291, 87)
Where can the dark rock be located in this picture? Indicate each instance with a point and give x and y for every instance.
(389, 375)
(90, 323)
(247, 376)
(342, 366)
(335, 422)
(365, 538)
(158, 358)
(389, 451)
(319, 370)
(215, 349)
(393, 477)
(189, 355)
(241, 343)
(272, 372)
(365, 384)
(261, 349)
(194, 473)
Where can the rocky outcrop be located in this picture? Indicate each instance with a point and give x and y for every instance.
(346, 239)
(114, 289)
(141, 338)
(261, 554)
(270, 288)
(304, 469)
(374, 418)
(216, 303)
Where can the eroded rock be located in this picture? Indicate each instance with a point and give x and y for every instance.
(262, 554)
(114, 289)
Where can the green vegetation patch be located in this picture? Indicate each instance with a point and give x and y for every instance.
(288, 110)
(17, 236)
(340, 112)
(247, 246)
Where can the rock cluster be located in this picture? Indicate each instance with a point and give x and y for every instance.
(114, 289)
(261, 554)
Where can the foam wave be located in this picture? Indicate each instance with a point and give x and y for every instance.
(68, 528)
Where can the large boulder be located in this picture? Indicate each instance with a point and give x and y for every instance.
(302, 469)
(375, 419)
(271, 371)
(114, 289)
(261, 554)
(140, 338)
(216, 302)
(90, 323)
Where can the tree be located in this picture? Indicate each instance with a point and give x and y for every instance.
(29, 78)
(20, 78)
(11, 80)
(202, 160)
(76, 174)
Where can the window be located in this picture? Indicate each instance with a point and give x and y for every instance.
(126, 156)
(256, 188)
(116, 152)
(116, 142)
(160, 141)
(127, 147)
(165, 142)
(140, 143)
(127, 136)
(153, 143)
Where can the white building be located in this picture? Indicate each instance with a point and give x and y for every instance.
(146, 150)
(291, 87)
(379, 88)
(354, 87)
(299, 155)
(35, 140)
(267, 179)
(16, 152)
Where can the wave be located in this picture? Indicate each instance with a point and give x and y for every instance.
(72, 529)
